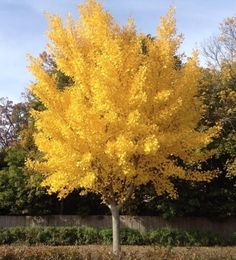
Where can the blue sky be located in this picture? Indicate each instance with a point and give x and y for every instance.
(23, 27)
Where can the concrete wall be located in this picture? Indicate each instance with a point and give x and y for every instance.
(144, 223)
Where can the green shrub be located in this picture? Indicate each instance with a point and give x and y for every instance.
(5, 236)
(45, 236)
(164, 236)
(105, 235)
(131, 237)
(31, 235)
(68, 235)
(232, 240)
(87, 235)
(174, 237)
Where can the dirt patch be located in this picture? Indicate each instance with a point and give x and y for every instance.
(95, 252)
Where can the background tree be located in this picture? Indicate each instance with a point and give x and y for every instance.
(12, 120)
(126, 119)
(219, 89)
(19, 188)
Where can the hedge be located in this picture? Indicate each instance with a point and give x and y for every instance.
(87, 236)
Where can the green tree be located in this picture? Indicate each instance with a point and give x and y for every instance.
(219, 89)
(13, 118)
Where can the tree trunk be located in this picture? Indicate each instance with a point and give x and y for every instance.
(116, 229)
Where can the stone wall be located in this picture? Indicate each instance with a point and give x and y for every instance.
(141, 223)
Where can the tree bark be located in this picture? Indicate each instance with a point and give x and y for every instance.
(116, 229)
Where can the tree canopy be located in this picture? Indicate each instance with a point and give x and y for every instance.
(129, 116)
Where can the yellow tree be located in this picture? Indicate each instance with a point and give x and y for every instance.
(127, 115)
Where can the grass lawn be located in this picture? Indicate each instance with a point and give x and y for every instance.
(94, 252)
